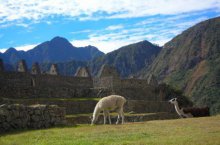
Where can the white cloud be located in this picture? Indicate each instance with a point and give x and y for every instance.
(15, 10)
(25, 47)
(108, 42)
(114, 27)
(2, 50)
(112, 44)
(156, 30)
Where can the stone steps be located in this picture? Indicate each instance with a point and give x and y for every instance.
(85, 106)
(86, 118)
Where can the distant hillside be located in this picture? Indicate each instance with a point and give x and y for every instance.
(191, 61)
(128, 59)
(56, 50)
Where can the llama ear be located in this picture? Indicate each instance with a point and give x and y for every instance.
(172, 100)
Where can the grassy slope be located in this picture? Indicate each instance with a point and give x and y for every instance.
(181, 131)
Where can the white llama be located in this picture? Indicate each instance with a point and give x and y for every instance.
(106, 104)
(189, 112)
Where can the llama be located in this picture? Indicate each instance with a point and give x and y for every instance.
(106, 104)
(189, 112)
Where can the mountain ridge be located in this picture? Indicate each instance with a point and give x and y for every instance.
(50, 51)
(128, 59)
(190, 62)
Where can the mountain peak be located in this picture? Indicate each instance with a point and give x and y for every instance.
(58, 39)
(11, 50)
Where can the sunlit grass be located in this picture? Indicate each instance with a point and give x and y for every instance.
(193, 131)
(112, 114)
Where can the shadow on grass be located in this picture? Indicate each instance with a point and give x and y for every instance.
(17, 131)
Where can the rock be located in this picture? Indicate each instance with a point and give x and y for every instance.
(17, 116)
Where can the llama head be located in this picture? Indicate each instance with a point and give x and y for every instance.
(93, 120)
(173, 101)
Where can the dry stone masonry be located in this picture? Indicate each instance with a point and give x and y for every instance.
(51, 88)
(83, 72)
(22, 67)
(52, 85)
(107, 71)
(53, 70)
(35, 69)
(18, 116)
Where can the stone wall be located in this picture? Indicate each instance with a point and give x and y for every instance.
(25, 85)
(87, 106)
(17, 116)
(137, 106)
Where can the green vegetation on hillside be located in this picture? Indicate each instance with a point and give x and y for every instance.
(173, 132)
(190, 62)
(129, 59)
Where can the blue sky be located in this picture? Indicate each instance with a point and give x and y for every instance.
(107, 25)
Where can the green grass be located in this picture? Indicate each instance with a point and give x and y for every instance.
(195, 131)
(112, 114)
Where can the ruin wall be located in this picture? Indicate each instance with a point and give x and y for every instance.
(136, 89)
(25, 85)
(18, 116)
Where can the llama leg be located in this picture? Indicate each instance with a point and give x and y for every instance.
(122, 116)
(118, 119)
(109, 118)
(104, 115)
(119, 115)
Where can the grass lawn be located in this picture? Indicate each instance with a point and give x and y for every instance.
(195, 131)
(112, 114)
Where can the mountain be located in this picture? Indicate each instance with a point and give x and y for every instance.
(56, 50)
(12, 54)
(128, 59)
(191, 62)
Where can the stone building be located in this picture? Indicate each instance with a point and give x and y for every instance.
(22, 67)
(35, 69)
(43, 86)
(107, 70)
(82, 72)
(141, 94)
(53, 70)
